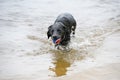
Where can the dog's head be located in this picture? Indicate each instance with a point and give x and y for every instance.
(57, 32)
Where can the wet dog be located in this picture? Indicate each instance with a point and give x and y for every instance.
(60, 31)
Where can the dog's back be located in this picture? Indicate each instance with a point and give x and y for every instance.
(67, 19)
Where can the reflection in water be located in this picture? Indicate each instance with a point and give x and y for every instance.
(61, 66)
(62, 60)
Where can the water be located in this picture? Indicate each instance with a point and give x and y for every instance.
(25, 51)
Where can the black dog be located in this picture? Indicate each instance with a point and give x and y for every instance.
(61, 29)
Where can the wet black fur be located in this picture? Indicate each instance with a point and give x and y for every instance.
(62, 28)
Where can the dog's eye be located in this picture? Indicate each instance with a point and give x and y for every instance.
(59, 31)
(52, 31)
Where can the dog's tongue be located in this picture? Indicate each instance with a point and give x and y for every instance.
(58, 41)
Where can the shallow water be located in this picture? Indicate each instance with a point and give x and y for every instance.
(25, 51)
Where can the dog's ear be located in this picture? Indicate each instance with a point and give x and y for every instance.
(49, 31)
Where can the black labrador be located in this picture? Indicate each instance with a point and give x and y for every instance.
(60, 31)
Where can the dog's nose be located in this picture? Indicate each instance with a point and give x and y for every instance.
(54, 37)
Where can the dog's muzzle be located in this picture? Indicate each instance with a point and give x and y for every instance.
(56, 40)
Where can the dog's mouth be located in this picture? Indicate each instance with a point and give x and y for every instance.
(56, 40)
